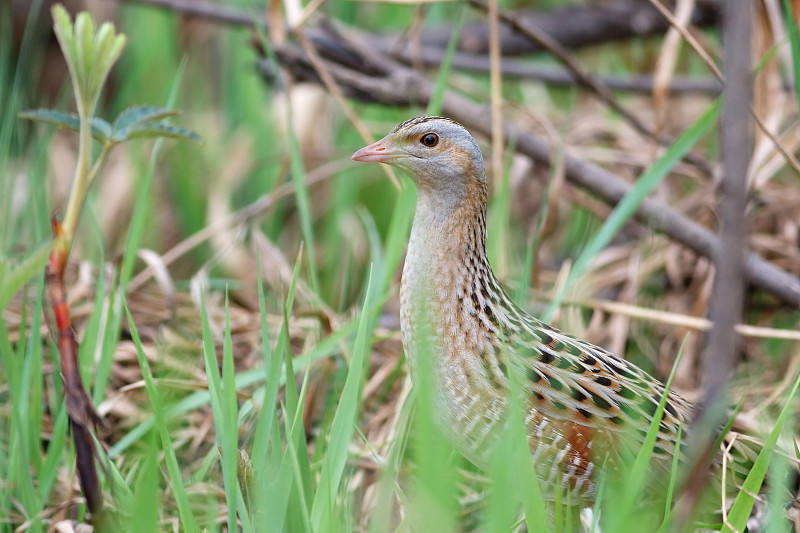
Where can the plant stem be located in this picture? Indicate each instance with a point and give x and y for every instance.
(101, 160)
(63, 244)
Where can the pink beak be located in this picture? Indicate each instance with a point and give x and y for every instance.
(379, 152)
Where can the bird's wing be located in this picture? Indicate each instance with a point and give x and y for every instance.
(571, 379)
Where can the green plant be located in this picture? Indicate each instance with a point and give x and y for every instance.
(90, 54)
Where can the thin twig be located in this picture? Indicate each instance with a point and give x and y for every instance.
(496, 92)
(681, 320)
(789, 156)
(333, 87)
(689, 38)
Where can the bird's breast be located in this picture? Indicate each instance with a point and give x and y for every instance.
(447, 335)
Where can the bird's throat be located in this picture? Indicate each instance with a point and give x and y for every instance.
(445, 261)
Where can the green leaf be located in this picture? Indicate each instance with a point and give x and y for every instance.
(61, 119)
(62, 26)
(328, 346)
(65, 33)
(530, 491)
(101, 130)
(794, 41)
(636, 478)
(101, 66)
(272, 369)
(134, 116)
(160, 129)
(138, 114)
(84, 40)
(108, 47)
(89, 54)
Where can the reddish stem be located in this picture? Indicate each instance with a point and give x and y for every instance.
(80, 410)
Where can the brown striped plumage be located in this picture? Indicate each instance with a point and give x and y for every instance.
(585, 406)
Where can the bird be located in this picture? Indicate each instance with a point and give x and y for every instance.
(583, 407)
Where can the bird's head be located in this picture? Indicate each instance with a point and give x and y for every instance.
(439, 155)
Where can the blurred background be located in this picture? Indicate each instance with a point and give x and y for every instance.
(271, 194)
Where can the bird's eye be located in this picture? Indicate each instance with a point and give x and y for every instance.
(430, 139)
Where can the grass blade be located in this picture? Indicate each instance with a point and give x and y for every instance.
(343, 420)
(177, 485)
(743, 504)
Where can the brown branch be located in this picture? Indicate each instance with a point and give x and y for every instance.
(574, 26)
(402, 86)
(209, 10)
(558, 76)
(432, 54)
(80, 409)
(722, 352)
(736, 138)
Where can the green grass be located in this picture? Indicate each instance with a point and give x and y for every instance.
(275, 370)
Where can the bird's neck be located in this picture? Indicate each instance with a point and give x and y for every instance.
(448, 234)
(446, 256)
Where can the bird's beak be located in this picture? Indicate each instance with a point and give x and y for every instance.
(382, 151)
